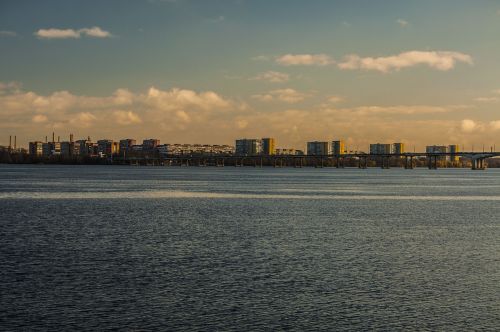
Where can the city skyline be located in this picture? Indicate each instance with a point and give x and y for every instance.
(209, 72)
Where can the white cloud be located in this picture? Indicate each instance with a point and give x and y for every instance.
(469, 125)
(83, 119)
(57, 33)
(261, 58)
(9, 87)
(126, 117)
(304, 60)
(39, 118)
(402, 22)
(272, 76)
(54, 33)
(440, 60)
(7, 33)
(290, 96)
(335, 99)
(495, 125)
(486, 99)
(95, 32)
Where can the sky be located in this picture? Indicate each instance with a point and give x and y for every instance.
(184, 71)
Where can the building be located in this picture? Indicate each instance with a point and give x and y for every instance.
(107, 147)
(126, 144)
(454, 149)
(398, 148)
(338, 148)
(149, 145)
(248, 147)
(319, 148)
(380, 148)
(55, 148)
(85, 147)
(268, 146)
(194, 149)
(36, 148)
(437, 149)
(284, 151)
(70, 148)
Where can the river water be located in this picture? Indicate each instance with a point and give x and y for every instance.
(152, 248)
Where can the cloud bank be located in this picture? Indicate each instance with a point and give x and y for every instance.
(182, 115)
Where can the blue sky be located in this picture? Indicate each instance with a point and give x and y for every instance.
(422, 72)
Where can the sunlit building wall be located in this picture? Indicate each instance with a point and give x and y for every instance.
(338, 148)
(268, 146)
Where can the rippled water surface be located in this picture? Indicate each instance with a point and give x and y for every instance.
(142, 248)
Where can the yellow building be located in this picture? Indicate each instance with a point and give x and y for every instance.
(338, 148)
(268, 146)
(453, 149)
(398, 148)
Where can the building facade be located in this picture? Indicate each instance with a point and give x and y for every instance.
(268, 146)
(248, 147)
(126, 144)
(338, 148)
(36, 148)
(398, 148)
(107, 147)
(380, 148)
(454, 149)
(319, 148)
(149, 145)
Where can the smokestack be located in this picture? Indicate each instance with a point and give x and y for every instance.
(88, 138)
(58, 138)
(46, 139)
(71, 138)
(10, 142)
(53, 137)
(15, 142)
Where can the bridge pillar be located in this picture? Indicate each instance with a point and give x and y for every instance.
(362, 162)
(432, 162)
(386, 162)
(478, 164)
(409, 162)
(340, 162)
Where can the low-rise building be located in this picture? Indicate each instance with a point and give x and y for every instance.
(194, 149)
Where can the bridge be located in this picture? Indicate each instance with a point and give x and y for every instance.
(360, 160)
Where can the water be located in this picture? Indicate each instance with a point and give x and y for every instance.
(138, 248)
